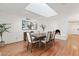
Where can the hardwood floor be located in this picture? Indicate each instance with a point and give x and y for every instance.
(72, 46)
(19, 49)
(61, 48)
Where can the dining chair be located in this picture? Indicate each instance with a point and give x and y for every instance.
(53, 37)
(56, 32)
(31, 40)
(47, 39)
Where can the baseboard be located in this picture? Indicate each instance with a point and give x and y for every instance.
(14, 42)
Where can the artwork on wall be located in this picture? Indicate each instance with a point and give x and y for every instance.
(29, 25)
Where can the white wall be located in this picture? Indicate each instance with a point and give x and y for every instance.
(73, 27)
(16, 33)
(57, 22)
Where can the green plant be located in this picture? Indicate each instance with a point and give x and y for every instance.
(42, 26)
(3, 28)
(30, 25)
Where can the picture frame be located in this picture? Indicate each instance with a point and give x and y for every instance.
(29, 25)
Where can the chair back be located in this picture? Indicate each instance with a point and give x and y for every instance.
(29, 37)
(57, 31)
(53, 35)
(48, 36)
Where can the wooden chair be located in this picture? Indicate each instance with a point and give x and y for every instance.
(57, 31)
(47, 39)
(31, 40)
(53, 37)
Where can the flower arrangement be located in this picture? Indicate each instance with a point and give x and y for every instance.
(43, 27)
(30, 25)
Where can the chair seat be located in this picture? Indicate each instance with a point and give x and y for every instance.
(34, 40)
(47, 38)
(33, 37)
(44, 40)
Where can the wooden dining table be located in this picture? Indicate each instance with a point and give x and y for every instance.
(39, 36)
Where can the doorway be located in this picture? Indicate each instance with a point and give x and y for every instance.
(74, 27)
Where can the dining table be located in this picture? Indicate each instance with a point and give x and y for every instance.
(39, 36)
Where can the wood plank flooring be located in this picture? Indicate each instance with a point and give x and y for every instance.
(61, 48)
(72, 46)
(19, 49)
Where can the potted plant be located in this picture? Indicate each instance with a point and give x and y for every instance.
(43, 27)
(30, 26)
(3, 28)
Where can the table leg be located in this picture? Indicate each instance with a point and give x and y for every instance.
(39, 43)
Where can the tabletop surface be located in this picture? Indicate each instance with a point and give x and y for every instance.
(38, 35)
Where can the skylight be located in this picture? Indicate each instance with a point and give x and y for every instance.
(41, 9)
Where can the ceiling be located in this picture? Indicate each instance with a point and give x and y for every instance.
(65, 8)
(18, 9)
(41, 9)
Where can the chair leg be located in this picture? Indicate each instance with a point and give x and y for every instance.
(27, 46)
(53, 42)
(45, 45)
(31, 48)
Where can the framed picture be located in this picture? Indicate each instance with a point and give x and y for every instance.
(28, 25)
